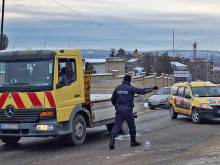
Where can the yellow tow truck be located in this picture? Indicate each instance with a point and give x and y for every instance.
(46, 93)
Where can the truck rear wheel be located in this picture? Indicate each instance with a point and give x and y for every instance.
(124, 128)
(10, 140)
(78, 134)
(110, 127)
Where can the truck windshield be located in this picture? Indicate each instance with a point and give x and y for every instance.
(207, 91)
(26, 75)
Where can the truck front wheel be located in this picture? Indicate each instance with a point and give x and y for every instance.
(10, 140)
(78, 134)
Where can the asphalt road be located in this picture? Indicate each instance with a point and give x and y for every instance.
(164, 141)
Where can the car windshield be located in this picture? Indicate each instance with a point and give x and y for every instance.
(206, 91)
(163, 91)
(26, 75)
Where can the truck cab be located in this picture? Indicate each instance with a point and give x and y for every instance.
(38, 92)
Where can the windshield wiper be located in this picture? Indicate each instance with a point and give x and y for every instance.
(214, 96)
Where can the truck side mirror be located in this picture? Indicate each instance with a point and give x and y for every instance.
(58, 85)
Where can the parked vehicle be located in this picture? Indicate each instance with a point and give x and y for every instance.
(160, 99)
(37, 100)
(198, 100)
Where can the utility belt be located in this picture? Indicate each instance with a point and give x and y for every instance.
(124, 105)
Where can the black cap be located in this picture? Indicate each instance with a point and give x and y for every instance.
(127, 78)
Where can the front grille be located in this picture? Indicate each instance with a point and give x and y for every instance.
(20, 116)
(217, 107)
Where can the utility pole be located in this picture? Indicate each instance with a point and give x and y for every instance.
(207, 79)
(194, 51)
(3, 11)
(173, 43)
(174, 60)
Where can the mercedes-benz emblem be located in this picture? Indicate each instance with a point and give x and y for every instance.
(10, 111)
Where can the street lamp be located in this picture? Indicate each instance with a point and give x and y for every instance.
(3, 11)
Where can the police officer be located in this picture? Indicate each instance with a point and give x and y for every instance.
(122, 99)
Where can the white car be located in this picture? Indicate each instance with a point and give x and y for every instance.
(160, 99)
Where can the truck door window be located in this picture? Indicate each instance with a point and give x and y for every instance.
(67, 71)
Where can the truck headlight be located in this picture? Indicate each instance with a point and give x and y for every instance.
(44, 127)
(206, 106)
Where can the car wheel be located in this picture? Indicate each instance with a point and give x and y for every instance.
(151, 107)
(173, 114)
(10, 140)
(196, 118)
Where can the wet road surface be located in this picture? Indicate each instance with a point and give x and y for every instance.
(164, 141)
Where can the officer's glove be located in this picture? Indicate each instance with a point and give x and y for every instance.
(156, 87)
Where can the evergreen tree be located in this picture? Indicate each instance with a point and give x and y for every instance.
(112, 52)
(163, 64)
(121, 53)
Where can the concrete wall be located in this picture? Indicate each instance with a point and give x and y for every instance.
(106, 84)
(115, 63)
(99, 67)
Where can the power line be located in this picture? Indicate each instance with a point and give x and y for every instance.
(100, 24)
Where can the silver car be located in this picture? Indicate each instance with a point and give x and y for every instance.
(160, 99)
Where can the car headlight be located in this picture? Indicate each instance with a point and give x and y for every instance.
(164, 100)
(206, 106)
(149, 100)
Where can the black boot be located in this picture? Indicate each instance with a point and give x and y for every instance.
(134, 142)
(112, 143)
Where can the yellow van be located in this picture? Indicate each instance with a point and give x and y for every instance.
(199, 100)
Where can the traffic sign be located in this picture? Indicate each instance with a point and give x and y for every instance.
(5, 42)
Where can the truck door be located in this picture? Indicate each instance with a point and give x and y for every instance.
(68, 92)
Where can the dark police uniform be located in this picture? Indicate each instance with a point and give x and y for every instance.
(122, 99)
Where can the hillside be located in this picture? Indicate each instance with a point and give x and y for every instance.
(93, 53)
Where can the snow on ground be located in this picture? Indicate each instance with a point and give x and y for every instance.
(146, 105)
(97, 97)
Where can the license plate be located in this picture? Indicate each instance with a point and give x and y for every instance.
(9, 126)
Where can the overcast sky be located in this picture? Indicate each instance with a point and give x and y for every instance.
(104, 24)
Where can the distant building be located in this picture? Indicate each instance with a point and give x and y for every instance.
(107, 65)
(98, 64)
(181, 72)
(132, 63)
(115, 64)
(136, 54)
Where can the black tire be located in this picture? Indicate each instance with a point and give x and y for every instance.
(124, 128)
(110, 127)
(78, 135)
(196, 117)
(10, 140)
(173, 114)
(151, 107)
